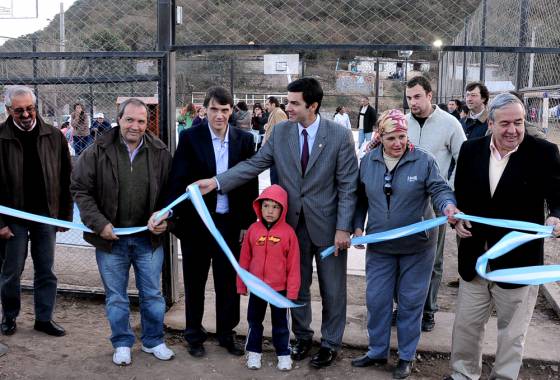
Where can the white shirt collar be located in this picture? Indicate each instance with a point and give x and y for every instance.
(25, 130)
(312, 129)
(216, 137)
(476, 116)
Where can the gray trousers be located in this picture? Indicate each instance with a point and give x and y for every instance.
(332, 286)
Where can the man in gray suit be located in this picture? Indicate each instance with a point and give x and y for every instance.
(317, 166)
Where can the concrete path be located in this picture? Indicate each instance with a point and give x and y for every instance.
(542, 340)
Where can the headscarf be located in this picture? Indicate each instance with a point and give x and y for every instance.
(391, 120)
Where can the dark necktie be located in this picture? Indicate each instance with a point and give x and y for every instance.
(304, 152)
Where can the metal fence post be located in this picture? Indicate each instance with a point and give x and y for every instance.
(482, 74)
(35, 88)
(465, 42)
(166, 100)
(377, 85)
(231, 76)
(523, 14)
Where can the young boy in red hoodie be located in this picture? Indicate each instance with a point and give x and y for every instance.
(270, 251)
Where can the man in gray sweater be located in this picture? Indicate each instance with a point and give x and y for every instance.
(441, 134)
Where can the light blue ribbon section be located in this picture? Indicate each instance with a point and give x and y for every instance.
(534, 275)
(255, 285)
(62, 223)
(392, 234)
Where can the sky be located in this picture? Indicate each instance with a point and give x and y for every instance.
(18, 26)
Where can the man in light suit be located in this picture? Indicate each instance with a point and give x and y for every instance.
(318, 168)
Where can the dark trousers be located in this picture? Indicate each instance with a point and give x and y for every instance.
(274, 175)
(280, 331)
(200, 250)
(14, 252)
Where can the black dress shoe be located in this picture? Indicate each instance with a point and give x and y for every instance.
(8, 326)
(323, 358)
(300, 349)
(428, 322)
(197, 350)
(233, 348)
(403, 369)
(50, 328)
(366, 361)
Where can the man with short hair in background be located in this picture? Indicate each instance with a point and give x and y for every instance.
(441, 134)
(367, 118)
(453, 107)
(34, 177)
(476, 99)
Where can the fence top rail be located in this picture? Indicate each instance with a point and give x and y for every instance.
(55, 55)
(377, 47)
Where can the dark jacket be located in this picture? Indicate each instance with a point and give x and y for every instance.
(95, 184)
(194, 160)
(524, 187)
(475, 128)
(55, 163)
(370, 118)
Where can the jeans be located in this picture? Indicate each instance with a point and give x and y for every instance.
(413, 275)
(363, 137)
(280, 331)
(114, 268)
(14, 253)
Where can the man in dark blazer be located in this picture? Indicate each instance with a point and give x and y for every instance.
(507, 175)
(205, 151)
(317, 166)
(367, 118)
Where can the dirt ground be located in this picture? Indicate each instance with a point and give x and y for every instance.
(85, 353)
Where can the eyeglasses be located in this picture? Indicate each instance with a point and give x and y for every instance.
(387, 187)
(21, 111)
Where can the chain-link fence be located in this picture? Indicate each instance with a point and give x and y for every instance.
(517, 23)
(99, 83)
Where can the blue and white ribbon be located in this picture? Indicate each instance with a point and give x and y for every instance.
(62, 223)
(534, 275)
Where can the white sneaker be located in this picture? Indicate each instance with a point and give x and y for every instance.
(284, 363)
(253, 360)
(122, 356)
(160, 351)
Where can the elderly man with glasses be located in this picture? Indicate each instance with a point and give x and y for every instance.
(34, 177)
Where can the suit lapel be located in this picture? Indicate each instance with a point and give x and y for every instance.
(234, 147)
(318, 145)
(293, 145)
(207, 148)
(484, 178)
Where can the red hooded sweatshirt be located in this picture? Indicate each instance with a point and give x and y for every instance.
(272, 255)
